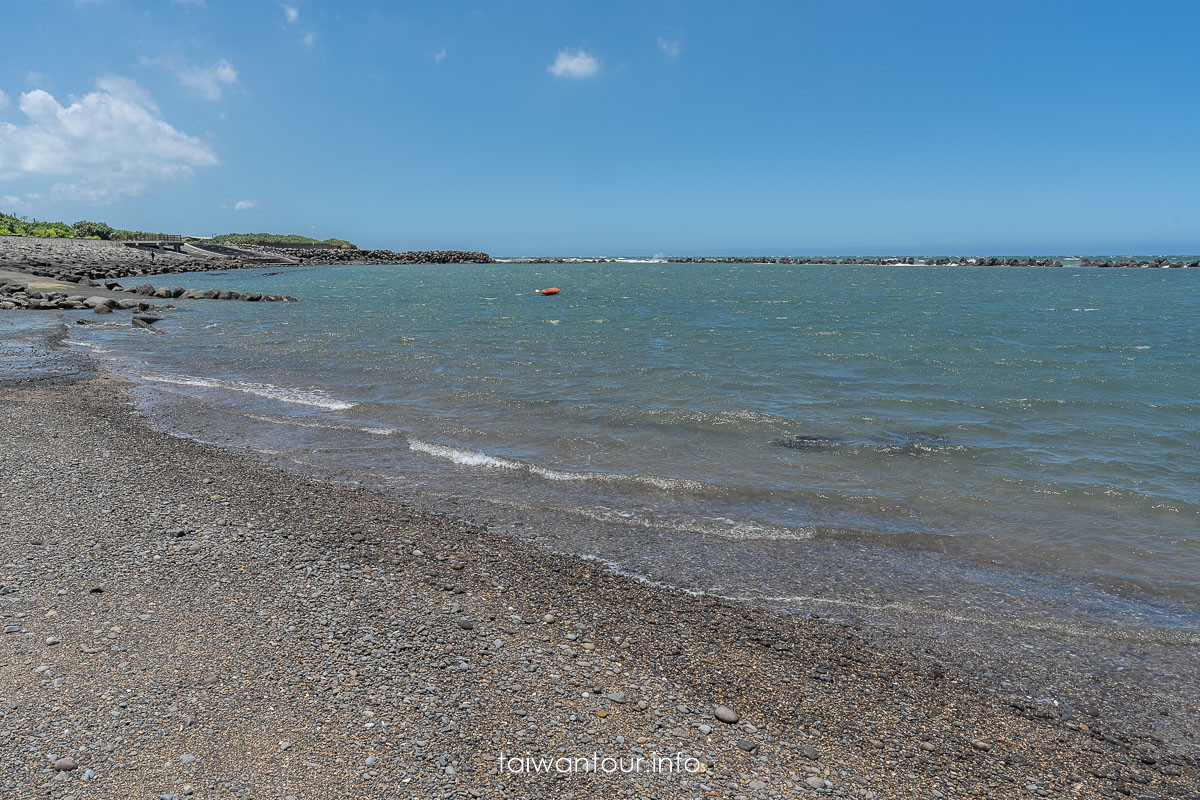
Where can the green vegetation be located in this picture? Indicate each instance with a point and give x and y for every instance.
(12, 225)
(23, 226)
(282, 240)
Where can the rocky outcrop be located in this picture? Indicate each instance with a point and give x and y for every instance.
(93, 264)
(90, 262)
(15, 296)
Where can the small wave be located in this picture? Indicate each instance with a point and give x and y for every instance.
(300, 423)
(96, 348)
(469, 458)
(656, 481)
(475, 458)
(303, 397)
(721, 527)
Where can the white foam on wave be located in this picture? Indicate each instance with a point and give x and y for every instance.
(721, 527)
(303, 397)
(469, 458)
(89, 345)
(656, 481)
(476, 458)
(300, 423)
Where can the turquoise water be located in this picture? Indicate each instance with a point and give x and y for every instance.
(1034, 431)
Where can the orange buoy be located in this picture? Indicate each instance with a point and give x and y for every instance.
(551, 290)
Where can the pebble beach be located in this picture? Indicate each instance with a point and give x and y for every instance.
(180, 621)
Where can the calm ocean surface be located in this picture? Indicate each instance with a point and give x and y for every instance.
(1017, 442)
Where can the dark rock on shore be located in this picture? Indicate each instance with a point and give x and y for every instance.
(800, 442)
(140, 322)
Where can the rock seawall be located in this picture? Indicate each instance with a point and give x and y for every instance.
(364, 257)
(84, 261)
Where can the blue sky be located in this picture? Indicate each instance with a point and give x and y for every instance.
(615, 127)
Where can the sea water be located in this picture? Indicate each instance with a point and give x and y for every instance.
(1016, 442)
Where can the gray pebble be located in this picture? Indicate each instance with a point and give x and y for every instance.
(726, 714)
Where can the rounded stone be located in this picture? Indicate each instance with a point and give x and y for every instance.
(726, 714)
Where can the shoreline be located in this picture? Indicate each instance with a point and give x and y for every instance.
(320, 563)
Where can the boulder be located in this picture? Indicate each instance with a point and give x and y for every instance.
(139, 323)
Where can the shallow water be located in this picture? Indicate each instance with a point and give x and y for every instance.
(1008, 443)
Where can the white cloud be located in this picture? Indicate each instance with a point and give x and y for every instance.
(671, 48)
(3, 99)
(242, 205)
(109, 143)
(292, 15)
(12, 202)
(438, 58)
(208, 81)
(36, 79)
(574, 65)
